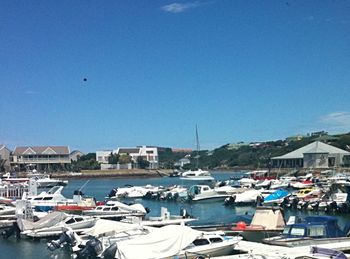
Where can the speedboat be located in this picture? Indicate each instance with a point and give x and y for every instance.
(197, 175)
(249, 197)
(204, 192)
(276, 197)
(53, 224)
(266, 222)
(173, 242)
(115, 209)
(311, 228)
(46, 201)
(44, 181)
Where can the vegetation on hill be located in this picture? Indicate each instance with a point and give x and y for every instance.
(254, 155)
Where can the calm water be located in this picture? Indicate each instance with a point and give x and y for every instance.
(207, 212)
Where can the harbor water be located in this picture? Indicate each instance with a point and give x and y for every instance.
(206, 212)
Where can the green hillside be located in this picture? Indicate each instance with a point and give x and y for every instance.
(256, 155)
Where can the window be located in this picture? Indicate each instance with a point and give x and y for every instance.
(297, 231)
(215, 239)
(316, 231)
(99, 208)
(70, 221)
(47, 198)
(115, 208)
(38, 199)
(286, 230)
(106, 209)
(200, 242)
(78, 219)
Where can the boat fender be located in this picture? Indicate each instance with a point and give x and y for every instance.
(241, 225)
(110, 252)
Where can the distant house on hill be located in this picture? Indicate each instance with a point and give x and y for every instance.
(43, 158)
(183, 161)
(314, 155)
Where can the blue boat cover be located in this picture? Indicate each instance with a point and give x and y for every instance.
(279, 194)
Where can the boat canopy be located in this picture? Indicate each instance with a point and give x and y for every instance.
(279, 194)
(160, 243)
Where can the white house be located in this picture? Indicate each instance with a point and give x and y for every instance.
(148, 153)
(314, 155)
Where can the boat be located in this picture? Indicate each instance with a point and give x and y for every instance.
(173, 242)
(78, 204)
(276, 197)
(46, 201)
(45, 181)
(249, 197)
(197, 174)
(130, 191)
(204, 192)
(266, 222)
(310, 228)
(53, 224)
(115, 209)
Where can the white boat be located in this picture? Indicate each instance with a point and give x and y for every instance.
(115, 209)
(248, 197)
(7, 210)
(132, 191)
(197, 175)
(173, 242)
(204, 192)
(53, 224)
(44, 181)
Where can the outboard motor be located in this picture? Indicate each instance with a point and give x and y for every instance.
(184, 213)
(113, 192)
(259, 200)
(110, 252)
(14, 229)
(92, 248)
(230, 200)
(148, 210)
(66, 237)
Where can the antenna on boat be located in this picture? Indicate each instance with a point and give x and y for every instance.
(84, 185)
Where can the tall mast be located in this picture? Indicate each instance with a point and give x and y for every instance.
(197, 142)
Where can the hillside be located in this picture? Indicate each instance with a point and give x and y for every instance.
(254, 155)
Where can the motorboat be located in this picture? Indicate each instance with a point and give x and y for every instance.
(46, 201)
(197, 175)
(311, 227)
(7, 210)
(204, 192)
(115, 209)
(78, 204)
(266, 222)
(45, 181)
(249, 197)
(53, 224)
(130, 191)
(173, 242)
(276, 197)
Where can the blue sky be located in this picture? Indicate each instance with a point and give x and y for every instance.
(241, 70)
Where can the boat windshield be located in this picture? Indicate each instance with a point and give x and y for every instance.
(286, 230)
(316, 231)
(297, 231)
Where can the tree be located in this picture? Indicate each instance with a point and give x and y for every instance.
(143, 163)
(124, 159)
(113, 159)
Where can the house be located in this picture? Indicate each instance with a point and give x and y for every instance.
(4, 158)
(314, 155)
(182, 162)
(43, 158)
(75, 155)
(148, 153)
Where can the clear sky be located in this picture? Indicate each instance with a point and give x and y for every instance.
(242, 70)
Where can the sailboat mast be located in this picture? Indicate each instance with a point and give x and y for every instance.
(198, 148)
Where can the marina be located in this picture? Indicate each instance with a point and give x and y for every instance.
(206, 215)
